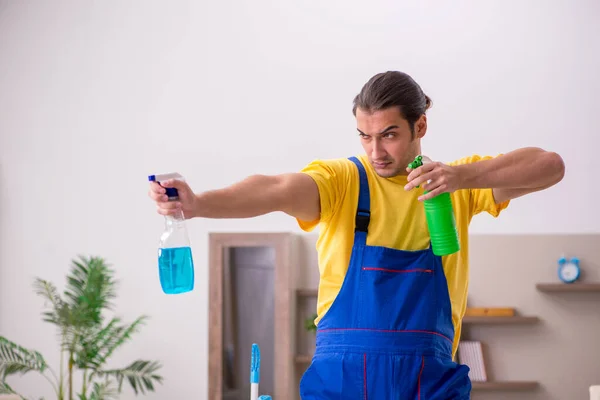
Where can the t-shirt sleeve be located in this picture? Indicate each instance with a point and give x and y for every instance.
(482, 199)
(331, 177)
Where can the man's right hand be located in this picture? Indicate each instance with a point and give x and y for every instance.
(186, 203)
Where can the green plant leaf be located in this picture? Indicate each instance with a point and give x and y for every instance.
(5, 389)
(15, 359)
(140, 374)
(59, 312)
(309, 323)
(90, 289)
(98, 344)
(104, 391)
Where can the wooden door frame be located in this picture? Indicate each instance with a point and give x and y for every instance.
(281, 242)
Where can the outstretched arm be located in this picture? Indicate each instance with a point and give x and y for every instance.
(515, 174)
(510, 175)
(296, 194)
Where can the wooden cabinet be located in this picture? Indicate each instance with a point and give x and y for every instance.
(250, 301)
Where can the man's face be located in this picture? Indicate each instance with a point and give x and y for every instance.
(387, 140)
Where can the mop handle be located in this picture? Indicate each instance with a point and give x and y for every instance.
(254, 371)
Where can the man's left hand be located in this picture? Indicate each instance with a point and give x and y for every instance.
(435, 178)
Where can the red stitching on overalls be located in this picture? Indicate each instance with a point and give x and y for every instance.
(386, 330)
(421, 373)
(365, 374)
(397, 271)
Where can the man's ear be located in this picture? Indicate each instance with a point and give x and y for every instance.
(421, 127)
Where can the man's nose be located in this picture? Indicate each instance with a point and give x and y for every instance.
(377, 151)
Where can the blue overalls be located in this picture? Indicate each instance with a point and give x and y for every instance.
(388, 334)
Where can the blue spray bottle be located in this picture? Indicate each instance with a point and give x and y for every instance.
(175, 262)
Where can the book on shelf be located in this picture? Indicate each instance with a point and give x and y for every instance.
(470, 353)
(490, 312)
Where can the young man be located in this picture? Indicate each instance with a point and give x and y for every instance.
(389, 310)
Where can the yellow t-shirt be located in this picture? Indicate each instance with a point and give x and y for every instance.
(397, 221)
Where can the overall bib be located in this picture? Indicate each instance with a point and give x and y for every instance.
(388, 334)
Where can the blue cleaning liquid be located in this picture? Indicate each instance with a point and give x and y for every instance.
(176, 270)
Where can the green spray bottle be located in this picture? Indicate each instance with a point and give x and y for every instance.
(440, 218)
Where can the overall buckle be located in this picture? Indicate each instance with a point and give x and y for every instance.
(362, 221)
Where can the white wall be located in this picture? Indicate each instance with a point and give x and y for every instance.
(94, 96)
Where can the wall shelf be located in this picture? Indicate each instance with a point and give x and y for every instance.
(500, 320)
(568, 287)
(504, 385)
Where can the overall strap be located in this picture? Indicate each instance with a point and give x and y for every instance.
(363, 212)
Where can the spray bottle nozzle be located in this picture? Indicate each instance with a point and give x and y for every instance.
(416, 163)
(419, 161)
(171, 193)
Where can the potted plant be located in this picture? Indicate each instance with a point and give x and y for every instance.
(87, 339)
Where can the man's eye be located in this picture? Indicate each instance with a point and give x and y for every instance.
(389, 135)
